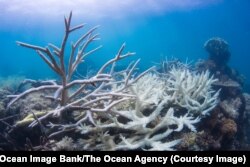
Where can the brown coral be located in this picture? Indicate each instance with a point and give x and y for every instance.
(205, 141)
(228, 128)
(188, 141)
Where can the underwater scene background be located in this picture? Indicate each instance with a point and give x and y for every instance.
(154, 30)
(165, 33)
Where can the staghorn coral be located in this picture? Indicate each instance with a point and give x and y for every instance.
(168, 64)
(92, 94)
(129, 127)
(107, 110)
(149, 90)
(139, 129)
(67, 90)
(193, 91)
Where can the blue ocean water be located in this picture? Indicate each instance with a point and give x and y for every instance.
(177, 32)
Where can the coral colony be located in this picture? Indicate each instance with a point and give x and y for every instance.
(170, 108)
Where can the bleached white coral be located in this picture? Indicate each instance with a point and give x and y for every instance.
(66, 144)
(154, 129)
(149, 90)
(193, 91)
(95, 106)
(231, 107)
(151, 129)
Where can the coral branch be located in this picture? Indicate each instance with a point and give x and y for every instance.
(117, 110)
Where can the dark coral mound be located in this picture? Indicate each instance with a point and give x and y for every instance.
(218, 50)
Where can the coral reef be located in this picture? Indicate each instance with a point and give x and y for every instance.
(174, 107)
(228, 128)
(218, 50)
(66, 143)
(219, 55)
(111, 110)
(193, 91)
(148, 128)
(67, 91)
(205, 141)
(3, 103)
(198, 142)
(227, 125)
(150, 90)
(231, 107)
(11, 83)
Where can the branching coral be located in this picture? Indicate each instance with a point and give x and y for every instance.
(90, 94)
(150, 131)
(193, 91)
(149, 90)
(183, 88)
(109, 109)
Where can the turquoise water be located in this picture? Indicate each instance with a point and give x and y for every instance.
(164, 29)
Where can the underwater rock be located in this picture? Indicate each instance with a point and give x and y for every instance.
(218, 50)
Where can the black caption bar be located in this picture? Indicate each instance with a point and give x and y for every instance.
(159, 158)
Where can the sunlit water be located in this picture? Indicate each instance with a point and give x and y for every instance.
(179, 31)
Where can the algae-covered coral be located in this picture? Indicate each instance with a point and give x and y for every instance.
(112, 110)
